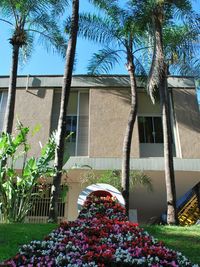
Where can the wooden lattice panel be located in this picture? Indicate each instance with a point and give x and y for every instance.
(190, 212)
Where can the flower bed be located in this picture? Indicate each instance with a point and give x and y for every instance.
(101, 236)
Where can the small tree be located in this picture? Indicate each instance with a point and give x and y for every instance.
(16, 187)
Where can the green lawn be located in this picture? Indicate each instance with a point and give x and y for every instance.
(12, 236)
(184, 239)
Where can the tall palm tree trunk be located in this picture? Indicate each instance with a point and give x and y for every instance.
(160, 71)
(61, 130)
(128, 134)
(168, 151)
(9, 116)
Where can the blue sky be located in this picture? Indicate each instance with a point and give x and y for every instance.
(42, 62)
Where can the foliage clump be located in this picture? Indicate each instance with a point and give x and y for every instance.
(113, 177)
(17, 186)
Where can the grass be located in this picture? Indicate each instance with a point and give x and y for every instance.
(12, 236)
(183, 239)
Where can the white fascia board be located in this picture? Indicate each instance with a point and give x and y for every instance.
(85, 81)
(148, 164)
(143, 164)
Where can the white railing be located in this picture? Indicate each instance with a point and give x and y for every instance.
(40, 208)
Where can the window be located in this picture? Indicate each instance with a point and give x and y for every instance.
(71, 127)
(150, 129)
(77, 121)
(3, 102)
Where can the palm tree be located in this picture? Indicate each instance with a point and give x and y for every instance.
(61, 130)
(117, 28)
(172, 45)
(27, 18)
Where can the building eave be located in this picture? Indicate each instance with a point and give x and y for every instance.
(87, 81)
(143, 164)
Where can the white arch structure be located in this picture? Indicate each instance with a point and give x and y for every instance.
(99, 187)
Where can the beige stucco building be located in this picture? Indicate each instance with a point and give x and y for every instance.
(97, 114)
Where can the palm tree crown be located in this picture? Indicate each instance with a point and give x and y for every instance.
(27, 17)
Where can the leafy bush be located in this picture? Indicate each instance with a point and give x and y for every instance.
(16, 187)
(113, 177)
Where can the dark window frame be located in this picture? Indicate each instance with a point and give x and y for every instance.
(150, 129)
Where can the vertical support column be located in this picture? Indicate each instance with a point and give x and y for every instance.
(77, 125)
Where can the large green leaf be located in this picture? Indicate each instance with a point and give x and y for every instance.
(30, 167)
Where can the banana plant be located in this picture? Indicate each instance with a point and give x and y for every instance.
(17, 187)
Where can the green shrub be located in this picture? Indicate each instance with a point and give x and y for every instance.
(16, 187)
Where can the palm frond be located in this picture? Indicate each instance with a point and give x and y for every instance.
(112, 10)
(52, 42)
(58, 7)
(49, 34)
(103, 61)
(105, 5)
(182, 48)
(26, 50)
(96, 28)
(140, 178)
(189, 68)
(139, 67)
(6, 21)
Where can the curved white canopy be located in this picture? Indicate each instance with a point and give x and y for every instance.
(99, 187)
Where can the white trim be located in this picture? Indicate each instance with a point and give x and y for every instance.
(175, 130)
(1, 99)
(89, 123)
(1, 110)
(27, 82)
(173, 127)
(180, 155)
(86, 81)
(143, 164)
(77, 123)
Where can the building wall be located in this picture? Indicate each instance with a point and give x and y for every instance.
(148, 204)
(33, 108)
(145, 106)
(108, 114)
(109, 110)
(188, 122)
(153, 204)
(108, 117)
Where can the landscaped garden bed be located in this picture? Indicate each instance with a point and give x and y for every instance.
(101, 236)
